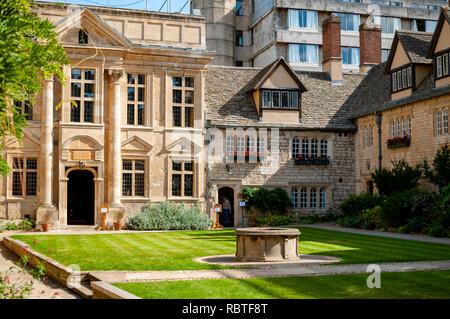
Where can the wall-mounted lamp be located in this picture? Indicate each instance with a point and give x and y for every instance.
(229, 169)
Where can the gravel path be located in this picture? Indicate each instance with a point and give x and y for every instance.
(287, 270)
(47, 289)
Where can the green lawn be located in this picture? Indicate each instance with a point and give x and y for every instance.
(175, 250)
(423, 284)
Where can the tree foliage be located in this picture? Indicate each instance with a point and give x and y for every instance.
(401, 177)
(275, 200)
(29, 53)
(439, 174)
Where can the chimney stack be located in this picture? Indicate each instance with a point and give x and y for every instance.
(331, 48)
(369, 46)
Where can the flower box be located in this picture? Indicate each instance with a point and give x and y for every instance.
(302, 160)
(398, 142)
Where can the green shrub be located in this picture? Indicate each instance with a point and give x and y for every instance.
(415, 225)
(25, 224)
(169, 215)
(265, 200)
(372, 218)
(349, 221)
(399, 208)
(274, 220)
(401, 177)
(354, 204)
(439, 174)
(315, 218)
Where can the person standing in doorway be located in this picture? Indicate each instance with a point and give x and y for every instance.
(226, 209)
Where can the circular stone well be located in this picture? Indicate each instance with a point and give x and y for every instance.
(267, 244)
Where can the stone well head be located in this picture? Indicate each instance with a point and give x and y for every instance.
(269, 244)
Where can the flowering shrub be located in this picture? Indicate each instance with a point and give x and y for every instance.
(399, 141)
(310, 157)
(14, 284)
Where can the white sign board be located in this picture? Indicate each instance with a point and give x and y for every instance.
(104, 210)
(242, 204)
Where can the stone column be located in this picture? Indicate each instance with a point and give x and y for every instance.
(46, 157)
(114, 154)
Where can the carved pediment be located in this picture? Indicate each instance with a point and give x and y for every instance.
(80, 148)
(183, 146)
(136, 145)
(100, 33)
(29, 143)
(82, 142)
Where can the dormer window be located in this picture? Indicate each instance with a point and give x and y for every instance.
(284, 99)
(83, 37)
(401, 79)
(441, 64)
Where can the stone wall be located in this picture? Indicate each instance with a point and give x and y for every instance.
(337, 177)
(424, 141)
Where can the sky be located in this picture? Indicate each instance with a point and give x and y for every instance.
(153, 5)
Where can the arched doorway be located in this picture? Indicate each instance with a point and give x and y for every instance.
(227, 192)
(80, 198)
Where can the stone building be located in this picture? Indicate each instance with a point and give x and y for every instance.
(256, 32)
(401, 108)
(144, 117)
(117, 132)
(297, 128)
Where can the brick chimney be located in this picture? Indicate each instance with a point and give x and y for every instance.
(331, 48)
(369, 46)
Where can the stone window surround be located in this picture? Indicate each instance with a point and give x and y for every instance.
(438, 57)
(183, 89)
(308, 188)
(83, 98)
(9, 178)
(23, 106)
(146, 176)
(367, 136)
(410, 75)
(170, 172)
(398, 120)
(444, 110)
(309, 138)
(98, 112)
(136, 103)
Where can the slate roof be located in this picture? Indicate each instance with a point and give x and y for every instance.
(323, 106)
(374, 93)
(416, 44)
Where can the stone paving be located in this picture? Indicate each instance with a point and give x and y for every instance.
(47, 289)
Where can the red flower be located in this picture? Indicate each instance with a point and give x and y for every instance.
(50, 249)
(36, 241)
(26, 249)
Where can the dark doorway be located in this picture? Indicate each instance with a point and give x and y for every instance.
(228, 193)
(80, 198)
(370, 186)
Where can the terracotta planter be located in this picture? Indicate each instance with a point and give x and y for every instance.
(46, 227)
(117, 226)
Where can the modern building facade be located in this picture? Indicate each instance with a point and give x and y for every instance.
(256, 32)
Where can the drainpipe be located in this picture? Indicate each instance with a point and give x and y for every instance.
(378, 121)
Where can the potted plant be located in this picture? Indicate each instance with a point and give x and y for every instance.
(119, 220)
(46, 226)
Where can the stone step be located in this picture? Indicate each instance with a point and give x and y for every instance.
(84, 290)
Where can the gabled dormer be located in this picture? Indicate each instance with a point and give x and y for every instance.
(440, 50)
(277, 91)
(407, 63)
